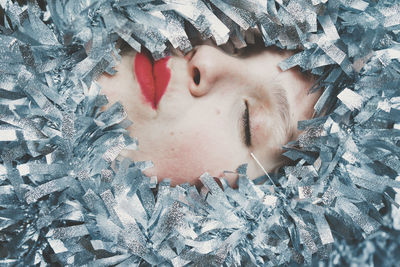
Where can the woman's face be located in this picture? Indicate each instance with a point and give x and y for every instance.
(216, 110)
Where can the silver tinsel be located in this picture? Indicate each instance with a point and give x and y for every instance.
(61, 202)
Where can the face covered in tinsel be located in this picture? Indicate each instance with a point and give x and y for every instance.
(209, 111)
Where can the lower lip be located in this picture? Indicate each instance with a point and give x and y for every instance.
(153, 77)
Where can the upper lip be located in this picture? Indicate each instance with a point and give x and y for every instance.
(152, 76)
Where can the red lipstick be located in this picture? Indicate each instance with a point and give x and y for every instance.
(152, 76)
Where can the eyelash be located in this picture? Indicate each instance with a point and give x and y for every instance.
(246, 125)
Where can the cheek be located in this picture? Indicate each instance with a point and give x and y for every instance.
(185, 160)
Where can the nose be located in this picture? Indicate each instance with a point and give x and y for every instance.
(208, 66)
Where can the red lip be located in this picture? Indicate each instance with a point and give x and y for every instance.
(152, 76)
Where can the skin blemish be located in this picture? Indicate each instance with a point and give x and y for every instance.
(171, 133)
(218, 111)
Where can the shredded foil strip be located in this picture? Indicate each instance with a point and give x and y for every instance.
(67, 197)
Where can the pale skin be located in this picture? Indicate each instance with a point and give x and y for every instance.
(198, 125)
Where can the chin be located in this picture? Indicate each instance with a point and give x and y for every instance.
(173, 174)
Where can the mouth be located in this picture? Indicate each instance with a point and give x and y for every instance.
(153, 76)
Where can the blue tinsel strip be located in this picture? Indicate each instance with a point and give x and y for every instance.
(60, 200)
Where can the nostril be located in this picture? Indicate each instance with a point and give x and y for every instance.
(196, 76)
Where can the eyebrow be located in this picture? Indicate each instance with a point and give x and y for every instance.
(282, 102)
(274, 98)
(282, 105)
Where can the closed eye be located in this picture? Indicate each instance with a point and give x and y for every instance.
(246, 125)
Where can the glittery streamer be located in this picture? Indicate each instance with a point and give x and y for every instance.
(351, 99)
(47, 188)
(68, 198)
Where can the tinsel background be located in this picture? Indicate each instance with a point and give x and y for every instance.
(67, 198)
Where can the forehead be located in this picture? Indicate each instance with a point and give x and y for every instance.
(273, 56)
